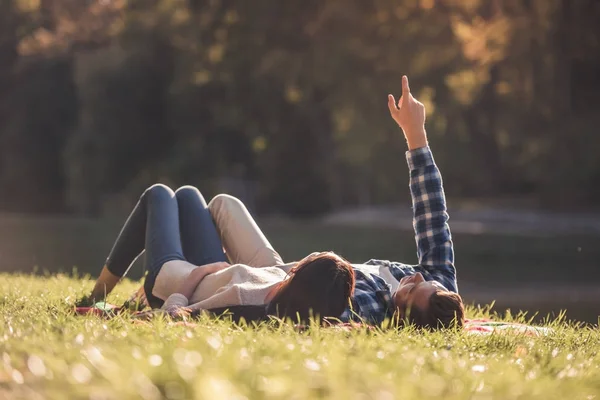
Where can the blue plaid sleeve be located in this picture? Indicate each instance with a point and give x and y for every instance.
(430, 219)
(371, 302)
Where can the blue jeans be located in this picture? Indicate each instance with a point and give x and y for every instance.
(168, 226)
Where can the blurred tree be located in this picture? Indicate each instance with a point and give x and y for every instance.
(10, 22)
(44, 110)
(292, 95)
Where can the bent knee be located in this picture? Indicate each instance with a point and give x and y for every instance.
(190, 196)
(224, 202)
(188, 191)
(158, 189)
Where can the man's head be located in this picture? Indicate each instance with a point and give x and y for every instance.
(428, 304)
(320, 285)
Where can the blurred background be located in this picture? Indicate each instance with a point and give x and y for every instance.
(283, 104)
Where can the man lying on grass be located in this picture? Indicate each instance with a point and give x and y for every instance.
(425, 294)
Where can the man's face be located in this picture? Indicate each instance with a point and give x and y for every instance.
(414, 291)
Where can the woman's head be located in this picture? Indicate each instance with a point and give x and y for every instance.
(320, 285)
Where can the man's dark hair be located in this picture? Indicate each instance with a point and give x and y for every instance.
(320, 286)
(445, 310)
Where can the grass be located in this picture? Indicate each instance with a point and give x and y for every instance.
(48, 353)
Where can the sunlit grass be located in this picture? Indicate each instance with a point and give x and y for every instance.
(47, 352)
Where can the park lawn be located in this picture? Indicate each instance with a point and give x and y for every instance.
(48, 353)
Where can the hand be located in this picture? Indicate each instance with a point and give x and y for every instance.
(188, 286)
(177, 312)
(214, 267)
(145, 315)
(409, 114)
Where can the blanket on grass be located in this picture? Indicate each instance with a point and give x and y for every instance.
(479, 326)
(487, 326)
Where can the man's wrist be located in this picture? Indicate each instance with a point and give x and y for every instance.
(416, 139)
(417, 144)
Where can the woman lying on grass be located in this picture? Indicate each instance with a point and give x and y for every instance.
(187, 269)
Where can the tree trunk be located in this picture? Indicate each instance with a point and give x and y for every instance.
(481, 124)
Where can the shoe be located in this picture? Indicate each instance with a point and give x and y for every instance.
(134, 305)
(85, 301)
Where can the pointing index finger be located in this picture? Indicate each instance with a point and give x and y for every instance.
(405, 87)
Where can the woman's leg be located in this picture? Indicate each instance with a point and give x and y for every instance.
(199, 237)
(199, 240)
(131, 241)
(162, 239)
(243, 240)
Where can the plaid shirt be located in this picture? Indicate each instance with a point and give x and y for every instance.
(372, 300)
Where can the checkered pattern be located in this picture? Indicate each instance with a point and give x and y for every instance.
(372, 301)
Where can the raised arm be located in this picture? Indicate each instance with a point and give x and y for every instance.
(430, 218)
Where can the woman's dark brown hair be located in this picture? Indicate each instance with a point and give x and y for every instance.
(320, 286)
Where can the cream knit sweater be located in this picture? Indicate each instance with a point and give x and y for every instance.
(235, 285)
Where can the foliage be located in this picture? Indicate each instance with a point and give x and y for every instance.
(100, 98)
